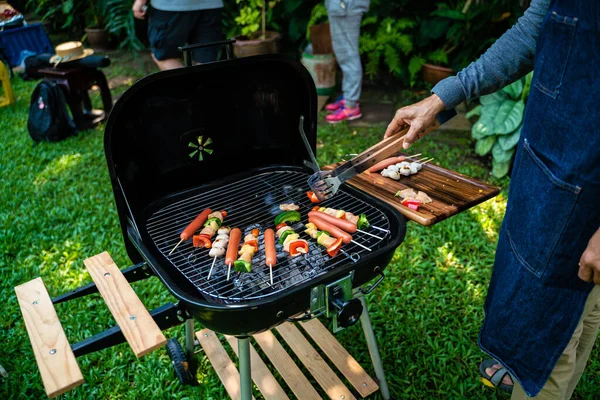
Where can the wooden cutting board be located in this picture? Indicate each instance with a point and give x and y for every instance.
(450, 191)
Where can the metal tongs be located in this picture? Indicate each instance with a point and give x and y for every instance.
(325, 184)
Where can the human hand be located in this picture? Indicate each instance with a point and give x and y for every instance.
(589, 263)
(418, 116)
(139, 9)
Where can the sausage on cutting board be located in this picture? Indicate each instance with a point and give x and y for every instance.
(386, 163)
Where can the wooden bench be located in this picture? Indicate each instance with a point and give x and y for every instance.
(287, 366)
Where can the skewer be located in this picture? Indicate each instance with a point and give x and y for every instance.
(177, 245)
(228, 271)
(423, 163)
(361, 245)
(413, 155)
(211, 268)
(271, 273)
(370, 234)
(381, 229)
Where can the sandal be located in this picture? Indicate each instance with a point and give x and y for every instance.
(495, 380)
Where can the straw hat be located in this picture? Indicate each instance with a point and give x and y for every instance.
(70, 51)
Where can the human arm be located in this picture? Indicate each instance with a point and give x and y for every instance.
(139, 9)
(508, 59)
(589, 263)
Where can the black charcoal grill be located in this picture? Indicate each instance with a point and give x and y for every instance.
(227, 136)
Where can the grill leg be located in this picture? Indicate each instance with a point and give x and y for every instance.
(189, 339)
(245, 374)
(365, 321)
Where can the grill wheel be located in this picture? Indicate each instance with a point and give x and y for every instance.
(180, 363)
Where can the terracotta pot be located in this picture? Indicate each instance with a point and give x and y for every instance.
(244, 47)
(98, 38)
(435, 73)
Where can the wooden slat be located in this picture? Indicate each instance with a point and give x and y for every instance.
(264, 379)
(224, 367)
(311, 359)
(53, 354)
(138, 327)
(347, 365)
(291, 374)
(450, 191)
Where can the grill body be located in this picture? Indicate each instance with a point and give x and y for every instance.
(226, 136)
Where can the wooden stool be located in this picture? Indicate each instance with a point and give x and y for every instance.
(76, 82)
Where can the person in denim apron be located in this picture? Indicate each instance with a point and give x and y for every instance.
(542, 311)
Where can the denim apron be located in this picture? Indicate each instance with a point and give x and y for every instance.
(535, 299)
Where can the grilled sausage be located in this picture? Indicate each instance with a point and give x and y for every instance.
(196, 224)
(332, 229)
(338, 222)
(232, 249)
(386, 163)
(270, 252)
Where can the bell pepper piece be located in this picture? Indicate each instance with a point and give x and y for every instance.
(278, 227)
(298, 247)
(316, 208)
(334, 248)
(285, 235)
(413, 204)
(255, 232)
(313, 197)
(252, 243)
(363, 222)
(214, 219)
(201, 241)
(287, 216)
(223, 213)
(242, 266)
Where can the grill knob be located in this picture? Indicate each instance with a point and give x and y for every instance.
(348, 311)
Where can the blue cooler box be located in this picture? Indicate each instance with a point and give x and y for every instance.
(16, 43)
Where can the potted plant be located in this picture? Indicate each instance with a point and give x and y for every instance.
(253, 38)
(96, 32)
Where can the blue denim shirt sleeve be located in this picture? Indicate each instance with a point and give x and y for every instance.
(508, 59)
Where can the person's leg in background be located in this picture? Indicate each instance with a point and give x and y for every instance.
(345, 31)
(167, 30)
(570, 366)
(206, 29)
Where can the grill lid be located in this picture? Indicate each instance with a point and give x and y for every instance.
(178, 129)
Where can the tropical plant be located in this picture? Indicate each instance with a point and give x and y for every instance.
(253, 17)
(120, 23)
(499, 126)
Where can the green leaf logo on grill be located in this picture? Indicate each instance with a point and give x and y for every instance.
(200, 147)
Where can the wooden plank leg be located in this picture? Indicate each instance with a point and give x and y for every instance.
(291, 374)
(351, 369)
(138, 327)
(313, 361)
(264, 379)
(221, 362)
(55, 359)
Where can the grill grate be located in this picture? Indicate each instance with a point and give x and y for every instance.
(253, 203)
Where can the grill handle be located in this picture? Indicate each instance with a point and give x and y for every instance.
(187, 50)
(307, 316)
(373, 286)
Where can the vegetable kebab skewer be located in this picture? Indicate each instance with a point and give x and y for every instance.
(346, 220)
(287, 237)
(219, 246)
(336, 227)
(332, 245)
(196, 224)
(211, 226)
(249, 248)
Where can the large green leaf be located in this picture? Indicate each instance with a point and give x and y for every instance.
(449, 13)
(509, 116)
(514, 90)
(474, 111)
(482, 128)
(496, 97)
(500, 169)
(483, 146)
(509, 141)
(490, 110)
(501, 155)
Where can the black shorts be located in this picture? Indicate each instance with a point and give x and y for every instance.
(167, 30)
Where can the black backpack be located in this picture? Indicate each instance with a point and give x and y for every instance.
(48, 116)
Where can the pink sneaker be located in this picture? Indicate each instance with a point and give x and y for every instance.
(344, 114)
(336, 105)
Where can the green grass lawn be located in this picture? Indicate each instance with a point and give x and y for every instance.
(58, 209)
